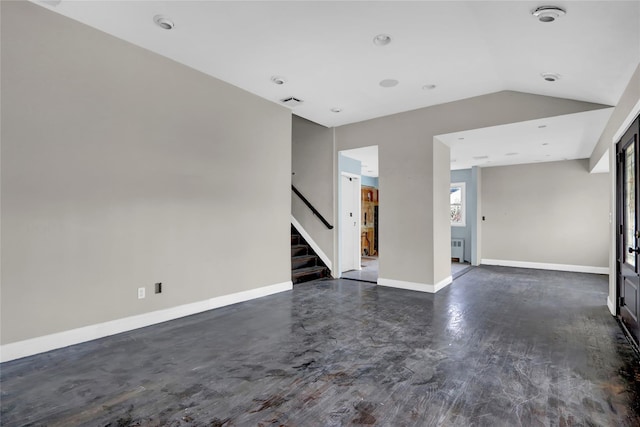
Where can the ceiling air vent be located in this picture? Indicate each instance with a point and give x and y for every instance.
(291, 102)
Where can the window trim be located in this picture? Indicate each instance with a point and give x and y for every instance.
(463, 207)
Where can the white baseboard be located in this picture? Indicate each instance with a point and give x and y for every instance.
(546, 266)
(311, 242)
(414, 286)
(612, 306)
(44, 343)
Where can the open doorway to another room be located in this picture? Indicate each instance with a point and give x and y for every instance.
(368, 243)
(463, 217)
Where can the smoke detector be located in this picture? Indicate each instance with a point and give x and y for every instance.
(548, 13)
(291, 102)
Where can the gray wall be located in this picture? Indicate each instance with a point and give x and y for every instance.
(121, 168)
(620, 118)
(555, 213)
(465, 232)
(312, 167)
(349, 165)
(626, 111)
(409, 174)
(369, 181)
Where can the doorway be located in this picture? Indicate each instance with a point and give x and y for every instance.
(364, 162)
(628, 236)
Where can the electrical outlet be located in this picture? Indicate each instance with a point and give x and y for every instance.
(158, 287)
(141, 293)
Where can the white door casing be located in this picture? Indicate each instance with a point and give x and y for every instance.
(350, 222)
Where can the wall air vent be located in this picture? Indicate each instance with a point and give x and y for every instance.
(291, 102)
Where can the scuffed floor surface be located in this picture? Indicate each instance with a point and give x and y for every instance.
(499, 347)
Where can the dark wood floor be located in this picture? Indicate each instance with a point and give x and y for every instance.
(499, 347)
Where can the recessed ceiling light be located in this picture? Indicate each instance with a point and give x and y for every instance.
(545, 143)
(550, 77)
(163, 22)
(428, 87)
(382, 40)
(278, 80)
(548, 13)
(336, 110)
(461, 138)
(388, 83)
(480, 157)
(542, 126)
(511, 154)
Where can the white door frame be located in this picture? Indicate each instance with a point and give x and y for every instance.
(356, 218)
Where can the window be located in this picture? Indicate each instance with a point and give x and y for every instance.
(457, 195)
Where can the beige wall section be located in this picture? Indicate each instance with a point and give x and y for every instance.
(312, 167)
(554, 213)
(623, 115)
(441, 211)
(406, 203)
(405, 144)
(121, 168)
(625, 112)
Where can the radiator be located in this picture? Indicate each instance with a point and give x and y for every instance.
(457, 249)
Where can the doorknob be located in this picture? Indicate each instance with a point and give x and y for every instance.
(632, 250)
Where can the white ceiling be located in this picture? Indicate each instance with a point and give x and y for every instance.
(368, 157)
(325, 51)
(552, 139)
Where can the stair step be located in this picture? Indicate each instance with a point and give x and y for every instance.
(302, 261)
(308, 273)
(297, 250)
(305, 264)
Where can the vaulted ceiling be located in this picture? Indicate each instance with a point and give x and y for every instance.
(439, 51)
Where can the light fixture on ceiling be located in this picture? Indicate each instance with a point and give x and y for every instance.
(388, 83)
(480, 157)
(428, 87)
(382, 40)
(278, 80)
(163, 22)
(545, 143)
(511, 154)
(336, 110)
(548, 13)
(550, 77)
(461, 138)
(542, 126)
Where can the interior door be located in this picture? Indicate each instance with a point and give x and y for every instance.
(350, 224)
(628, 241)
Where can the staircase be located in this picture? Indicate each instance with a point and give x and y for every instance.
(305, 264)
